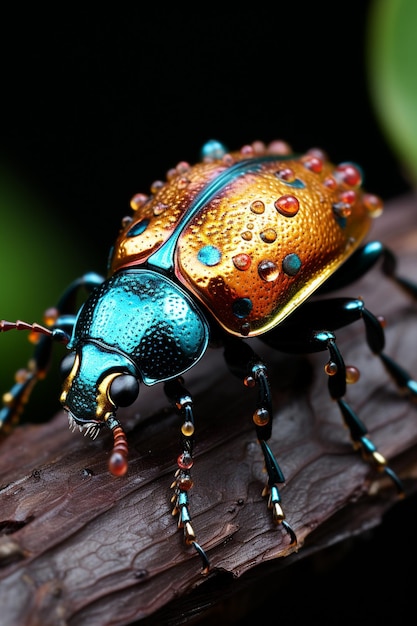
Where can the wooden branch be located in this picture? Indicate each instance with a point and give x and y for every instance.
(78, 546)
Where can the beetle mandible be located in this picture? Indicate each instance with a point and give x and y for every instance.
(227, 249)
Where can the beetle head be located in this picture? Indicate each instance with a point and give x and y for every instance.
(138, 326)
(96, 382)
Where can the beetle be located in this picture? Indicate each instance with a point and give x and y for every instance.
(230, 248)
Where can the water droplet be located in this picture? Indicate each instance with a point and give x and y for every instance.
(213, 149)
(348, 196)
(228, 160)
(330, 182)
(319, 153)
(209, 255)
(330, 368)
(242, 261)
(247, 150)
(352, 374)
(257, 207)
(291, 264)
(268, 271)
(341, 209)
(279, 147)
(349, 173)
(268, 235)
(242, 307)
(171, 173)
(286, 174)
(287, 205)
(261, 417)
(373, 203)
(187, 429)
(159, 208)
(183, 167)
(156, 186)
(258, 147)
(126, 220)
(183, 182)
(313, 163)
(137, 201)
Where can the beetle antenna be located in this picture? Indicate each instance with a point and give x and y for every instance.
(54, 333)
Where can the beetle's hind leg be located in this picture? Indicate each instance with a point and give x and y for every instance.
(299, 334)
(389, 267)
(245, 364)
(361, 261)
(336, 371)
(376, 340)
(177, 393)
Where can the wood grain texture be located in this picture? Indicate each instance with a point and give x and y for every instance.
(80, 547)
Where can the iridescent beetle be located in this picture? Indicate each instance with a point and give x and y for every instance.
(225, 250)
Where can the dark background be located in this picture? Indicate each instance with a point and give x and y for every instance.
(97, 104)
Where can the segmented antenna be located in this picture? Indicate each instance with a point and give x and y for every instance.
(57, 334)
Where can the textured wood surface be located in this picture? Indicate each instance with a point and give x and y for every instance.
(80, 547)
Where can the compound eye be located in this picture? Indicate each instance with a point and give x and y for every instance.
(67, 364)
(124, 390)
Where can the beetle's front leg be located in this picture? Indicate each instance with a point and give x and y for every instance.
(36, 369)
(177, 393)
(59, 322)
(245, 364)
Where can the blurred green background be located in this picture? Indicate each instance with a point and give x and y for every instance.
(391, 47)
(40, 253)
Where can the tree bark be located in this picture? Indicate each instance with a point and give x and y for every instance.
(80, 547)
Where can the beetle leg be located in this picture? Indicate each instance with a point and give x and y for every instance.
(262, 418)
(236, 355)
(177, 393)
(68, 300)
(361, 261)
(15, 399)
(336, 371)
(59, 322)
(389, 267)
(361, 441)
(375, 339)
(294, 335)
